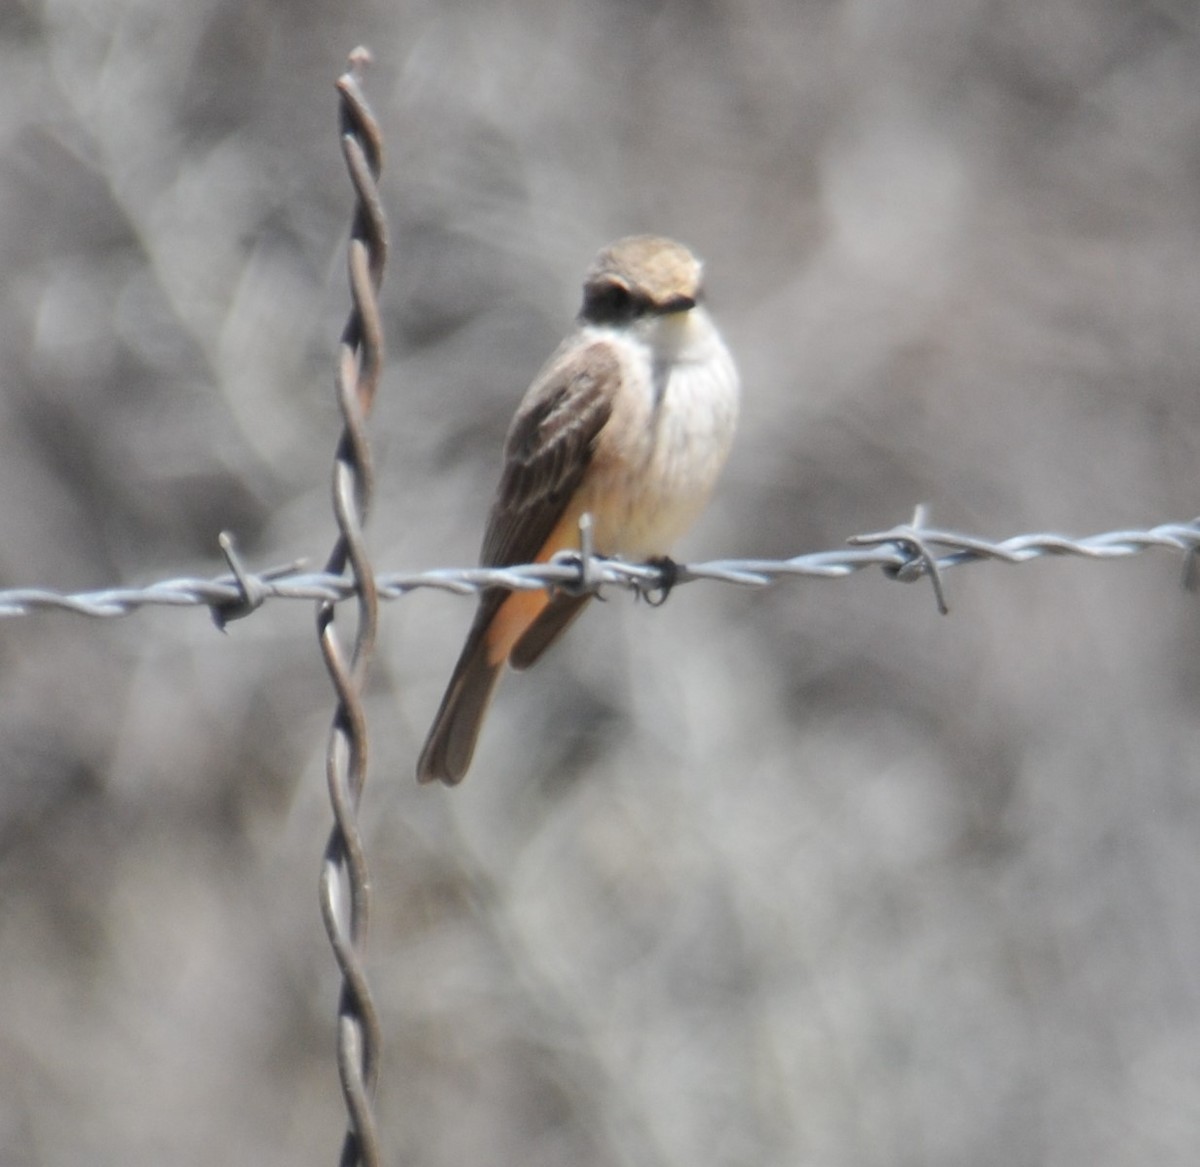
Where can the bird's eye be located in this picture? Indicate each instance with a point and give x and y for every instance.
(610, 302)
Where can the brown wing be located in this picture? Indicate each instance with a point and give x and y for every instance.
(549, 447)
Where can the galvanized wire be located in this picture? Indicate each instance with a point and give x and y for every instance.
(897, 552)
(345, 883)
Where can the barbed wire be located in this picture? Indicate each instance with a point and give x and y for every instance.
(906, 553)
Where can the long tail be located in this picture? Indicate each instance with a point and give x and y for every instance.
(500, 622)
(451, 742)
(553, 620)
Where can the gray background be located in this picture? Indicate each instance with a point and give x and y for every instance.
(804, 876)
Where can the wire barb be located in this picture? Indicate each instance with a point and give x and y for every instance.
(910, 540)
(252, 591)
(345, 881)
(582, 562)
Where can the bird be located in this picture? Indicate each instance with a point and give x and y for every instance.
(629, 422)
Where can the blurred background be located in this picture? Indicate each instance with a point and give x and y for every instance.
(801, 876)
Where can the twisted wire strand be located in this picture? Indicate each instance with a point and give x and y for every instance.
(896, 552)
(345, 880)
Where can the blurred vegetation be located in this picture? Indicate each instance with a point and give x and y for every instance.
(807, 876)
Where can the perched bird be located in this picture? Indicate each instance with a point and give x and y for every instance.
(630, 422)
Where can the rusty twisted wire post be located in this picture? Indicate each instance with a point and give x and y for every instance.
(345, 884)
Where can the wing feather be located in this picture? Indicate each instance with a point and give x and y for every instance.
(549, 448)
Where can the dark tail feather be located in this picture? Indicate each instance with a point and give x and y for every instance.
(553, 620)
(451, 742)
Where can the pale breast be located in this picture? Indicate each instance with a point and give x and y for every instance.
(662, 451)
